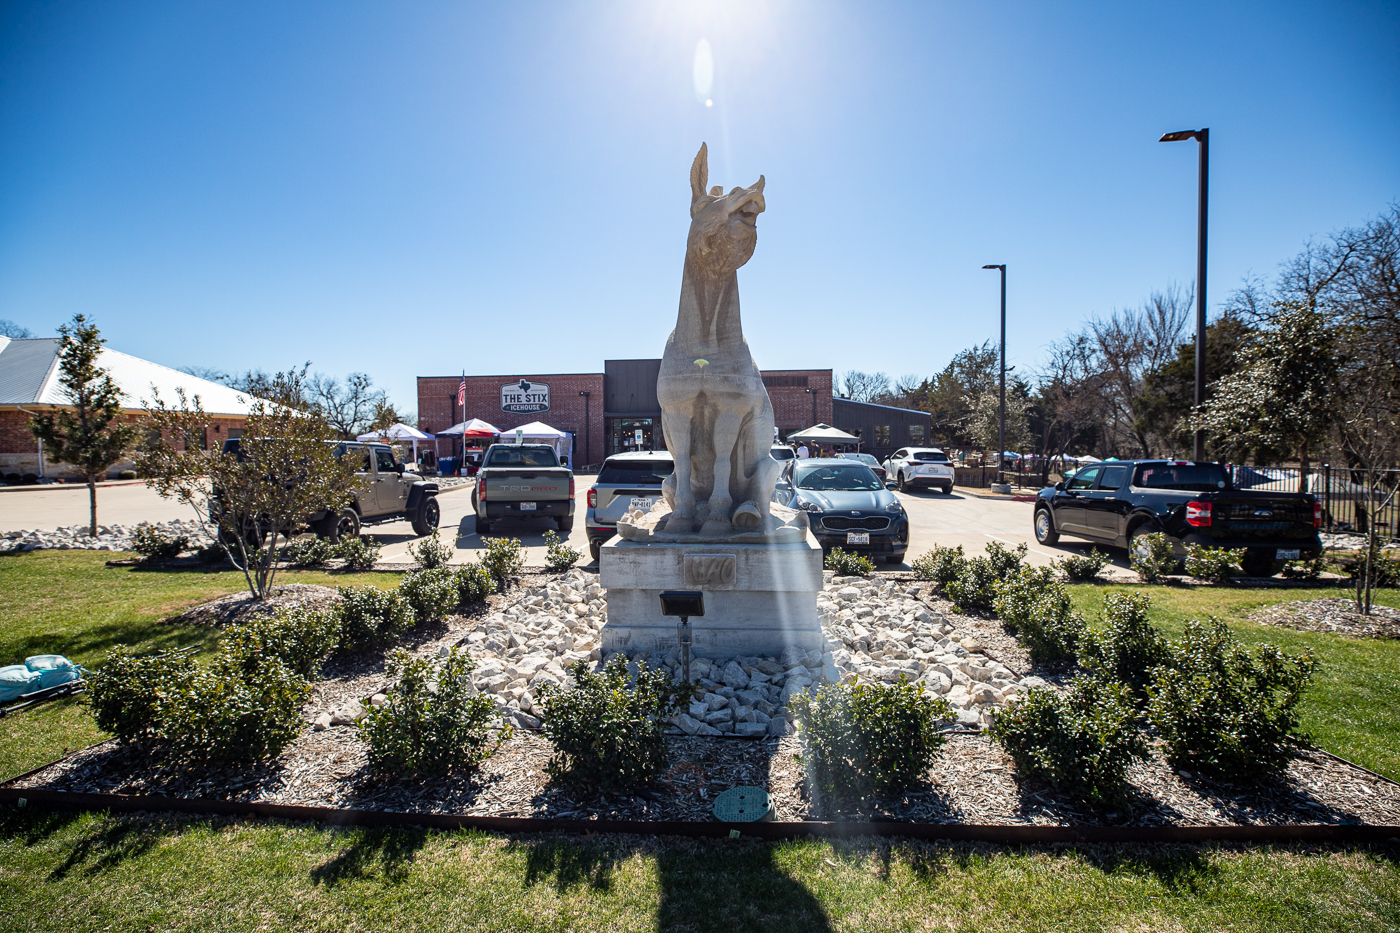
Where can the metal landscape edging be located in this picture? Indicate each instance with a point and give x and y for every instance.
(953, 832)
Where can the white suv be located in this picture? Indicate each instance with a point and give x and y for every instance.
(911, 467)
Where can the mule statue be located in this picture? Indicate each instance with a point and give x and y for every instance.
(715, 411)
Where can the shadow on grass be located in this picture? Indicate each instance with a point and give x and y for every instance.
(706, 884)
(386, 853)
(114, 841)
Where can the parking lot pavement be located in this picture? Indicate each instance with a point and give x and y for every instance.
(950, 520)
(60, 506)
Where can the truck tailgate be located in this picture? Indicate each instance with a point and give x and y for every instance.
(1242, 515)
(515, 485)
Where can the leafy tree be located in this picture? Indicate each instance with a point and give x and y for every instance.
(1169, 391)
(1283, 396)
(984, 419)
(91, 433)
(285, 470)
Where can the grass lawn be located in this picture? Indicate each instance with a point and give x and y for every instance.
(1352, 707)
(67, 872)
(71, 603)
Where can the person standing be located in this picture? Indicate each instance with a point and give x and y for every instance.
(802, 452)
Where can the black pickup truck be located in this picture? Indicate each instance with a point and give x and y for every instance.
(1118, 501)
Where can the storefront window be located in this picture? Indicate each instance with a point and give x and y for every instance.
(882, 435)
(916, 434)
(633, 434)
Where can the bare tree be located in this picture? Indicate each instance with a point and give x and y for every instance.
(1129, 344)
(209, 373)
(864, 387)
(13, 330)
(348, 407)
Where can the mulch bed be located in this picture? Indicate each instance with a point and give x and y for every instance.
(972, 781)
(1337, 616)
(238, 608)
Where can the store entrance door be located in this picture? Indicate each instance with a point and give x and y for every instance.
(632, 434)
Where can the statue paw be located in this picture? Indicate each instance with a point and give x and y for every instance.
(748, 517)
(678, 524)
(716, 528)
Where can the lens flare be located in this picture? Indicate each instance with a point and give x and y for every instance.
(703, 71)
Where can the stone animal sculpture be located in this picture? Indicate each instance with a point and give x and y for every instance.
(715, 411)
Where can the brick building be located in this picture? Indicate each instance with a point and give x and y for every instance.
(29, 384)
(623, 412)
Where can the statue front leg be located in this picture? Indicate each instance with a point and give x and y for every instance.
(677, 428)
(721, 503)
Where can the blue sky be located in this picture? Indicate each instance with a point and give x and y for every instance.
(415, 189)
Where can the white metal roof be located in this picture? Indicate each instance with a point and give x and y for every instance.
(29, 376)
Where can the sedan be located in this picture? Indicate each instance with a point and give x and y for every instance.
(848, 507)
(869, 460)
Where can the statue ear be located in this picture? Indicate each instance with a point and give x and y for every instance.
(699, 174)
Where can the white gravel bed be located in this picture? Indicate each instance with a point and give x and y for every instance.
(109, 537)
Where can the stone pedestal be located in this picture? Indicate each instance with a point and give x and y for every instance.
(759, 598)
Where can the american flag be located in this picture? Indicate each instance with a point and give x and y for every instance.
(462, 393)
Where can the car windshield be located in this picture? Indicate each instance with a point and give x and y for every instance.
(1199, 477)
(522, 457)
(852, 477)
(931, 456)
(866, 459)
(635, 472)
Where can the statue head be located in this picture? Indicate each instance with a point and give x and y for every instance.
(723, 227)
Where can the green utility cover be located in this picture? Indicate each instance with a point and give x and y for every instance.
(744, 805)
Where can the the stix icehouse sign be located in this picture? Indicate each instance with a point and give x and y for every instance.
(525, 396)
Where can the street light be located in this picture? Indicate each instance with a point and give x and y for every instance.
(588, 429)
(1201, 136)
(1001, 422)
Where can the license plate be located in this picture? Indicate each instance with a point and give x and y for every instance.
(857, 537)
(641, 502)
(527, 506)
(1288, 553)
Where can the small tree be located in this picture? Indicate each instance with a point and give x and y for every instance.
(285, 470)
(91, 432)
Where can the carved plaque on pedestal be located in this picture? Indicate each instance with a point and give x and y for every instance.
(708, 569)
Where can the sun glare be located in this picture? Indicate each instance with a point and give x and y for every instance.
(703, 72)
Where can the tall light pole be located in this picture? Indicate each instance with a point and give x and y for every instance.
(587, 429)
(1001, 417)
(1201, 136)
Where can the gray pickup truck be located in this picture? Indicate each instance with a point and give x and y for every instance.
(523, 481)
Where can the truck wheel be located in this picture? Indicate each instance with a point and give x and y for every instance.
(1045, 531)
(1260, 562)
(344, 525)
(566, 523)
(426, 521)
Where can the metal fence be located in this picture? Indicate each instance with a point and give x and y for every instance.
(1345, 494)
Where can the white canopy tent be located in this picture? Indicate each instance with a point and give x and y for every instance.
(823, 434)
(398, 432)
(537, 432)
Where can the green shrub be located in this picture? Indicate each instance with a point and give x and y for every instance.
(300, 638)
(1127, 649)
(504, 558)
(559, 556)
(1158, 561)
(1214, 564)
(359, 553)
(975, 585)
(608, 731)
(1082, 741)
(1304, 569)
(126, 474)
(430, 553)
(153, 544)
(124, 692)
(941, 565)
(371, 618)
(431, 593)
(865, 739)
(227, 713)
(434, 722)
(1038, 608)
(1386, 564)
(848, 564)
(1083, 568)
(308, 552)
(1223, 709)
(474, 584)
(212, 554)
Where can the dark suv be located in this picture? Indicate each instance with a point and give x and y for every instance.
(1118, 502)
